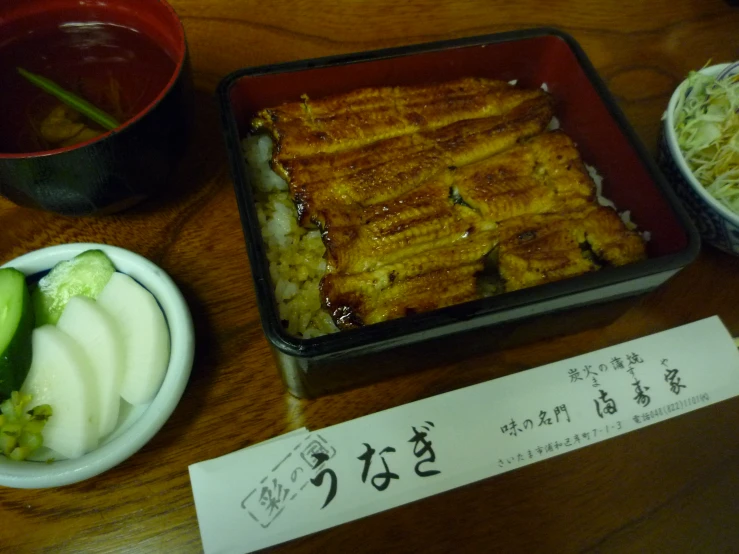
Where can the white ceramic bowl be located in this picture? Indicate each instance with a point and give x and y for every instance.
(717, 224)
(136, 425)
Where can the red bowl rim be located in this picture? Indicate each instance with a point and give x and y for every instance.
(179, 64)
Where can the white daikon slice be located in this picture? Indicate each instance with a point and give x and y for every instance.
(97, 334)
(60, 376)
(145, 337)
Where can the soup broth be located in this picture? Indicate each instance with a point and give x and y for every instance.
(117, 69)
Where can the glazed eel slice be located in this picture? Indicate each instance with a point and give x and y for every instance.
(529, 250)
(378, 265)
(539, 248)
(324, 186)
(541, 175)
(421, 283)
(364, 116)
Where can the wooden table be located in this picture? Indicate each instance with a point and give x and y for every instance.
(669, 487)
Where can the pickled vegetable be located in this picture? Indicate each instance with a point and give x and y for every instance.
(84, 275)
(145, 336)
(61, 376)
(16, 324)
(21, 429)
(96, 333)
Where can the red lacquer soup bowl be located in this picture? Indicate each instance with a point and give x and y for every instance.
(126, 59)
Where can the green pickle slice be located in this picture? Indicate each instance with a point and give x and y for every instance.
(84, 275)
(16, 325)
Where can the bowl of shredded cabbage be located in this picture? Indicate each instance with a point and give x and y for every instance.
(699, 151)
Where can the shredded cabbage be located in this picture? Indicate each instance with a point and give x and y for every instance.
(707, 127)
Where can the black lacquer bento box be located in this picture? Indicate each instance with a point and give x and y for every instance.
(587, 113)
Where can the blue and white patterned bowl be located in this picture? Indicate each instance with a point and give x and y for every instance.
(718, 225)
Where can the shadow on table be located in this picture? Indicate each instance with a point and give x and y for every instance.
(204, 370)
(203, 160)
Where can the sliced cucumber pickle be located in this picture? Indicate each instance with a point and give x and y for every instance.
(16, 324)
(84, 275)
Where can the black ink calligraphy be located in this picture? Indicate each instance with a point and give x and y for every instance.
(574, 376)
(423, 447)
(317, 481)
(588, 373)
(559, 410)
(642, 398)
(671, 377)
(511, 428)
(514, 429)
(608, 407)
(382, 480)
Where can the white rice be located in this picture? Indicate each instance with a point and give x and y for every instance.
(296, 255)
(603, 201)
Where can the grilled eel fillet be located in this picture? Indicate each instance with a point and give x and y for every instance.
(364, 116)
(541, 175)
(416, 192)
(326, 187)
(425, 249)
(539, 248)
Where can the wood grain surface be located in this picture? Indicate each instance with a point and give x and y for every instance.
(671, 487)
